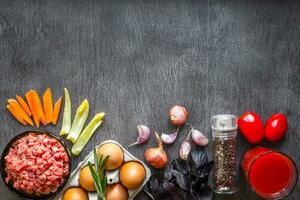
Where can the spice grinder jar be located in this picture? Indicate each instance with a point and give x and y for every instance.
(224, 132)
(271, 174)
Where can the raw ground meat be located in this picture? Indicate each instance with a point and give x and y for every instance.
(36, 164)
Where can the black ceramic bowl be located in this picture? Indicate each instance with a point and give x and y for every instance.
(21, 194)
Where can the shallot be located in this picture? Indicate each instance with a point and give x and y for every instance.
(143, 135)
(156, 157)
(198, 138)
(178, 115)
(169, 138)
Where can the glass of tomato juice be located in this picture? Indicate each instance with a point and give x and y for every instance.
(271, 174)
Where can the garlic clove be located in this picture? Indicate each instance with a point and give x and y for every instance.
(169, 138)
(185, 149)
(143, 135)
(198, 138)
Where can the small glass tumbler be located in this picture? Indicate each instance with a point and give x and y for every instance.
(270, 173)
(224, 132)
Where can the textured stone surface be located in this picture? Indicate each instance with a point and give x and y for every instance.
(135, 59)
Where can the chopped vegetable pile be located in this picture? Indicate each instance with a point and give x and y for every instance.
(43, 113)
(74, 130)
(87, 133)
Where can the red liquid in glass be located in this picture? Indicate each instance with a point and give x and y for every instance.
(270, 174)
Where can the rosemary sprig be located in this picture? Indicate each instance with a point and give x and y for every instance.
(99, 175)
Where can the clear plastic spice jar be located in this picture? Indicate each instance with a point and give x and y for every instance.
(224, 132)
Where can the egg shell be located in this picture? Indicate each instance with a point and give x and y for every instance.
(115, 155)
(86, 179)
(116, 192)
(75, 193)
(132, 174)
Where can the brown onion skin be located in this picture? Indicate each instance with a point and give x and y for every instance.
(178, 115)
(156, 157)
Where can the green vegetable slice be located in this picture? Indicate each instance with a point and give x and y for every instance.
(87, 133)
(66, 123)
(79, 120)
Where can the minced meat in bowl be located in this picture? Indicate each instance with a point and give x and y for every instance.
(36, 165)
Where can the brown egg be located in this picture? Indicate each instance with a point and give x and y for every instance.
(115, 153)
(132, 175)
(86, 179)
(75, 193)
(116, 192)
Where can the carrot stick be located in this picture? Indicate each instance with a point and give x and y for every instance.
(33, 107)
(24, 105)
(16, 106)
(39, 107)
(48, 105)
(16, 115)
(56, 111)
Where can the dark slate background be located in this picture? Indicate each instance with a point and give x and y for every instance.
(135, 59)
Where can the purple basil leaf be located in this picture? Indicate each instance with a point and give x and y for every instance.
(168, 186)
(182, 166)
(199, 157)
(168, 175)
(206, 169)
(181, 180)
(203, 193)
(154, 184)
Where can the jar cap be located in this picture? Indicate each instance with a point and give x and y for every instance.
(224, 122)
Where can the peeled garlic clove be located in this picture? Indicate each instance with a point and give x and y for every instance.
(198, 138)
(185, 149)
(143, 135)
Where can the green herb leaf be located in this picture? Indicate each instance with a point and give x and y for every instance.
(99, 174)
(96, 181)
